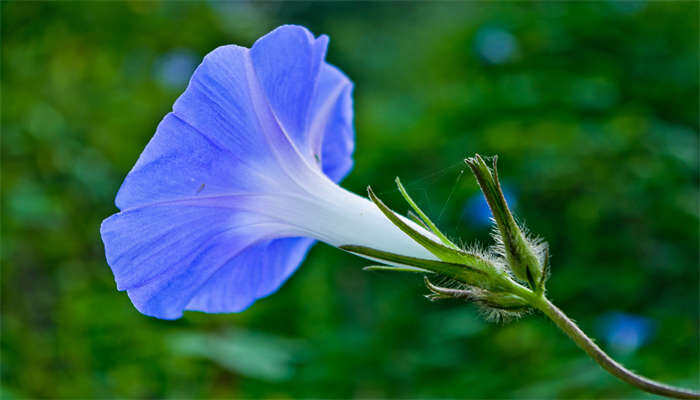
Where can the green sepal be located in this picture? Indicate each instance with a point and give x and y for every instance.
(438, 292)
(444, 253)
(497, 300)
(396, 269)
(426, 220)
(460, 272)
(504, 301)
(415, 218)
(545, 270)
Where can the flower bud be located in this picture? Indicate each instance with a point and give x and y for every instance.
(520, 252)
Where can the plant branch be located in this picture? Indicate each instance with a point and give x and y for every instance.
(604, 360)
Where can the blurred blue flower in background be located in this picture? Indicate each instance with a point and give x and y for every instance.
(477, 212)
(625, 333)
(628, 7)
(173, 69)
(495, 45)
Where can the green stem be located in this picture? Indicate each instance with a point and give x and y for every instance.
(604, 360)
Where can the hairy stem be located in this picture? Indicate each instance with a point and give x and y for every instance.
(610, 365)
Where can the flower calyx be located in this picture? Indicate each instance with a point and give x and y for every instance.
(471, 275)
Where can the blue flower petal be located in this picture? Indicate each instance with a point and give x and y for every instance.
(224, 292)
(162, 254)
(180, 162)
(218, 104)
(287, 62)
(250, 123)
(333, 135)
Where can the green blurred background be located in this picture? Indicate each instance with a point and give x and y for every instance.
(592, 108)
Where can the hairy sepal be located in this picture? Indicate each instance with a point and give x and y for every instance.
(495, 305)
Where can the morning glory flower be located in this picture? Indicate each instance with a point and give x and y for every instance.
(241, 177)
(239, 181)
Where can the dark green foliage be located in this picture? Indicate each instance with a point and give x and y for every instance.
(594, 116)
